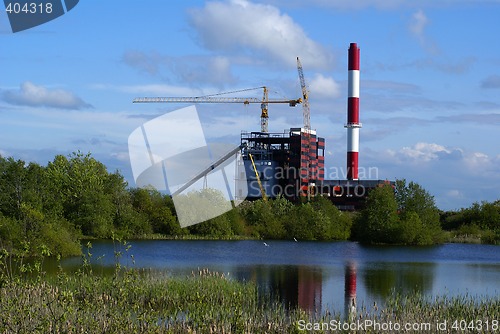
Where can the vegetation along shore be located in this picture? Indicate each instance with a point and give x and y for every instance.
(132, 301)
(51, 208)
(47, 210)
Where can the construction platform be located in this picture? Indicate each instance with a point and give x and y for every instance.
(292, 164)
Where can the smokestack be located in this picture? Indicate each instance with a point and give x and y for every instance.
(353, 124)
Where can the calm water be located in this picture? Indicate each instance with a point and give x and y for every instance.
(314, 275)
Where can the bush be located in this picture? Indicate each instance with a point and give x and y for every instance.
(479, 220)
(11, 234)
(60, 238)
(378, 221)
(262, 221)
(406, 215)
(339, 223)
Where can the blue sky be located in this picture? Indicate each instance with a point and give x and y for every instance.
(430, 81)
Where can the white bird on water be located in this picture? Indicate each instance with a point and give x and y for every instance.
(266, 244)
(295, 239)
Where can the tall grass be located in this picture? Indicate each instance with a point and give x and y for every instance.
(135, 301)
(130, 301)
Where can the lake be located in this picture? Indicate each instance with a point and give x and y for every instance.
(318, 276)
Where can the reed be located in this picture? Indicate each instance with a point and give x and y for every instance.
(132, 300)
(205, 302)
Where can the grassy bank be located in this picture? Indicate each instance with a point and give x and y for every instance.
(205, 302)
(133, 302)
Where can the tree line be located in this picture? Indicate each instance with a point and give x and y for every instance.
(479, 221)
(74, 197)
(406, 214)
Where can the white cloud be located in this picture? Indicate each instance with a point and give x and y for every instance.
(33, 95)
(435, 155)
(425, 152)
(247, 28)
(418, 23)
(478, 161)
(324, 87)
(455, 193)
(379, 4)
(121, 156)
(455, 176)
(358, 4)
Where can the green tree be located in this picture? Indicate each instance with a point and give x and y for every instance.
(265, 218)
(217, 227)
(26, 198)
(480, 219)
(339, 223)
(236, 221)
(81, 181)
(301, 221)
(404, 215)
(156, 209)
(379, 220)
(13, 183)
(11, 234)
(305, 222)
(60, 237)
(409, 230)
(485, 215)
(412, 198)
(127, 221)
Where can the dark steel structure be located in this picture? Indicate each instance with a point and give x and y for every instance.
(288, 163)
(292, 164)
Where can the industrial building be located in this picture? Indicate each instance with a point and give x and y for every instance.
(292, 163)
(286, 163)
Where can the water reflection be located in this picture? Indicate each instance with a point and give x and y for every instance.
(292, 286)
(303, 286)
(320, 276)
(350, 291)
(310, 289)
(381, 279)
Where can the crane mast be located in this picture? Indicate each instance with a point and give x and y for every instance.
(264, 116)
(305, 97)
(264, 102)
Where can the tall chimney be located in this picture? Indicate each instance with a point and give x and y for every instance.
(353, 124)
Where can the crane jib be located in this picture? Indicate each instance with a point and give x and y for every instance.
(292, 103)
(264, 102)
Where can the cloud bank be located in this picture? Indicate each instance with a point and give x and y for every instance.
(33, 95)
(256, 30)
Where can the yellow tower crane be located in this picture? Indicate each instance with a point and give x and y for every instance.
(307, 127)
(305, 98)
(215, 98)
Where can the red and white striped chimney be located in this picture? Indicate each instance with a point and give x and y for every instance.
(353, 124)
